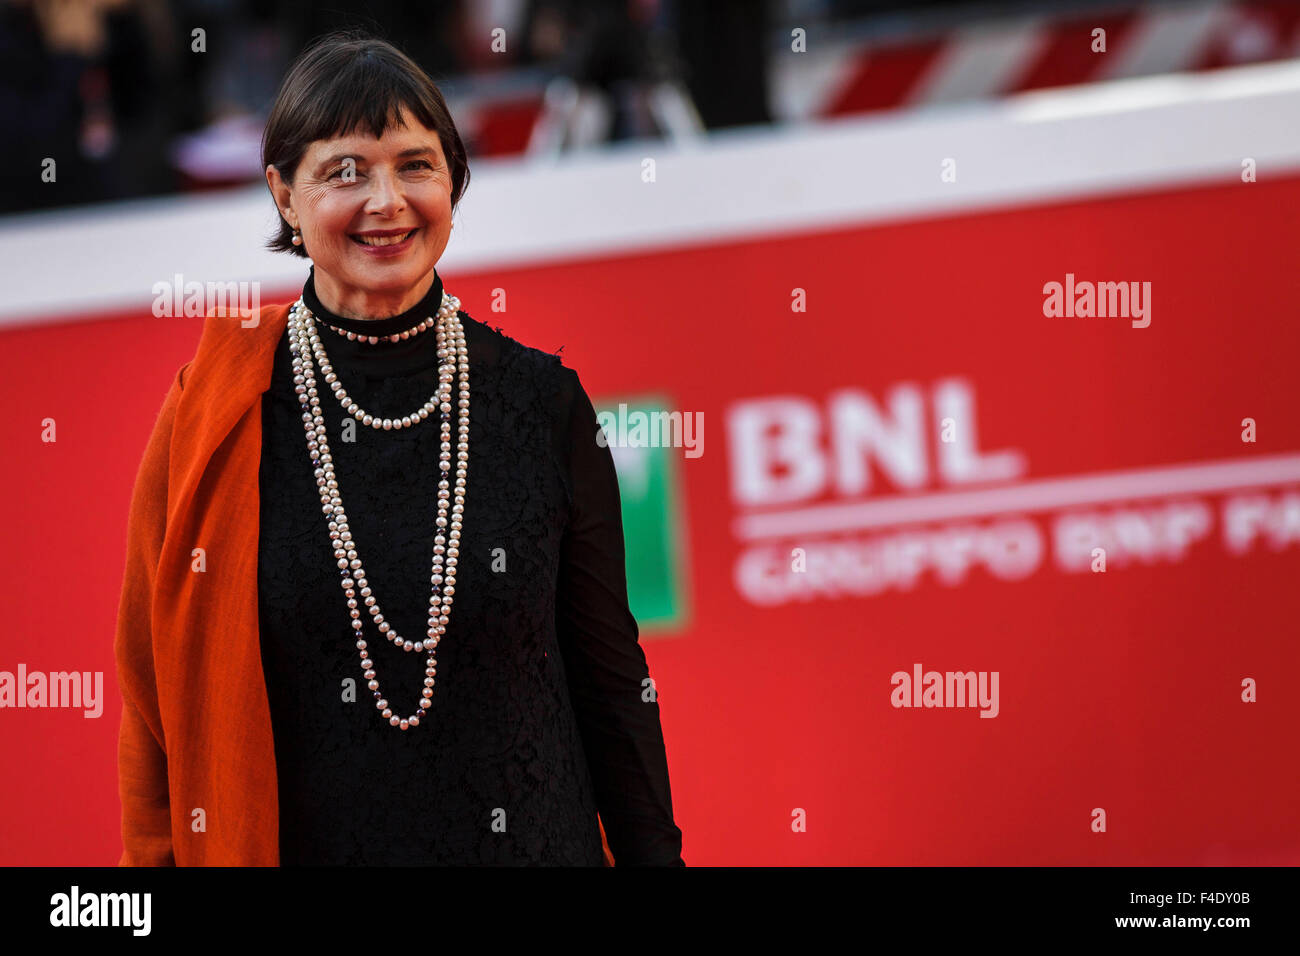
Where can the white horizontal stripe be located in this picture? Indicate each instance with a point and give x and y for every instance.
(1029, 496)
(739, 184)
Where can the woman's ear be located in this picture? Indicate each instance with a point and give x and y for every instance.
(280, 193)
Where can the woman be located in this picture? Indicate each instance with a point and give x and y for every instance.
(299, 687)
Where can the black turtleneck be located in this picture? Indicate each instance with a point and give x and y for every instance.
(538, 720)
(427, 306)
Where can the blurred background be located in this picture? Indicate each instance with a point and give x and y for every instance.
(135, 103)
(829, 228)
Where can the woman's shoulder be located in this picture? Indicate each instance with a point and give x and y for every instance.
(505, 350)
(235, 344)
(264, 319)
(528, 376)
(222, 325)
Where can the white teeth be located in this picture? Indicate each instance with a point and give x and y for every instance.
(384, 240)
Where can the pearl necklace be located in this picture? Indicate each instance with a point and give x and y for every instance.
(395, 337)
(446, 311)
(305, 344)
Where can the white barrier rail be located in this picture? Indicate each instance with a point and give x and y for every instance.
(1098, 139)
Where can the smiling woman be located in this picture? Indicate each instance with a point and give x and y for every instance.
(519, 731)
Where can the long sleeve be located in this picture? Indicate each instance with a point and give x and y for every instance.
(618, 716)
(142, 757)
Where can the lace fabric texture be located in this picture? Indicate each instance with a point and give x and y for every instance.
(539, 716)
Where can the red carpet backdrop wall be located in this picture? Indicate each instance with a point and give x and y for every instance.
(953, 575)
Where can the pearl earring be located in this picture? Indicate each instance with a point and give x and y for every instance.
(297, 238)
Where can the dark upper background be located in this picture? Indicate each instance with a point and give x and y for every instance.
(113, 90)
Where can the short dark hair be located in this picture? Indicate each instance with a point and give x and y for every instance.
(340, 82)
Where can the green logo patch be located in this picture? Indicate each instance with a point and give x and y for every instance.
(653, 531)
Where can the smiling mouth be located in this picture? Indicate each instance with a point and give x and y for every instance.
(383, 240)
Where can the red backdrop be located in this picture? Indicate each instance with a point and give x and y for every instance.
(1120, 691)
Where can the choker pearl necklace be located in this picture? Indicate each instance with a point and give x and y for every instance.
(305, 344)
(395, 337)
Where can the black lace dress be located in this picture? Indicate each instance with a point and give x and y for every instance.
(540, 715)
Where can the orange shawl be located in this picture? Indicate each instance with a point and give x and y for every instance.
(196, 757)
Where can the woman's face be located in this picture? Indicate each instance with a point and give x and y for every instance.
(396, 189)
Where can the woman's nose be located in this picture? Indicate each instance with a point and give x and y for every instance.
(386, 197)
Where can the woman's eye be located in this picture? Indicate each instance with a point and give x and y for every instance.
(416, 163)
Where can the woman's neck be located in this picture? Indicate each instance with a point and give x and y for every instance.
(362, 304)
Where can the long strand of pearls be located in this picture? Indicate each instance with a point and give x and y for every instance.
(305, 344)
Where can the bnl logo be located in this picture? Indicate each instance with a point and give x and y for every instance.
(654, 533)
